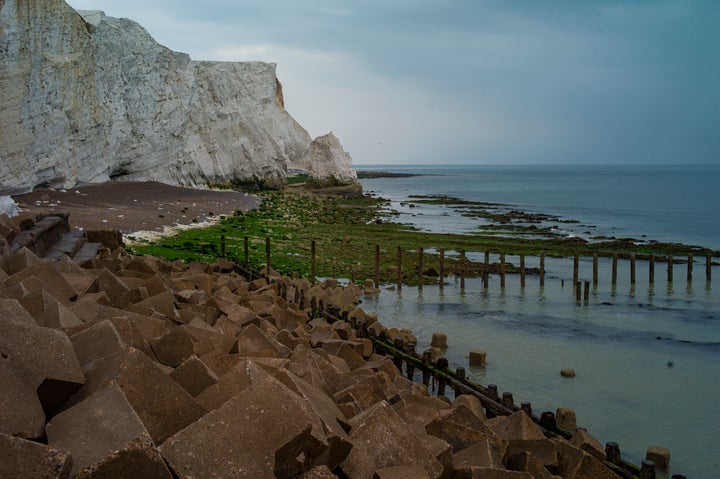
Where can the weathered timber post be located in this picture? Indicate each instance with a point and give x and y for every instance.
(462, 270)
(542, 269)
(492, 392)
(690, 261)
(313, 256)
(247, 250)
(651, 269)
(460, 376)
(647, 469)
(632, 268)
(708, 268)
(670, 268)
(576, 269)
(614, 269)
(397, 358)
(502, 270)
(377, 266)
(486, 270)
(442, 269)
(595, 269)
(526, 406)
(547, 420)
(507, 400)
(420, 268)
(409, 365)
(522, 270)
(222, 245)
(587, 291)
(399, 268)
(578, 291)
(612, 453)
(267, 256)
(442, 364)
(427, 361)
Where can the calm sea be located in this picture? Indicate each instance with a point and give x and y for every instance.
(647, 356)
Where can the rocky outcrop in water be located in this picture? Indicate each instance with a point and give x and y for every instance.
(89, 98)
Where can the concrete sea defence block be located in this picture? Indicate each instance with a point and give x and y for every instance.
(21, 413)
(516, 426)
(263, 433)
(382, 439)
(194, 376)
(106, 438)
(97, 341)
(488, 452)
(43, 357)
(173, 347)
(23, 458)
(162, 405)
(460, 428)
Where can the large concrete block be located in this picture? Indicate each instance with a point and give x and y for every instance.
(99, 340)
(516, 426)
(27, 459)
(162, 405)
(488, 452)
(381, 439)
(401, 472)
(173, 347)
(58, 316)
(588, 443)
(318, 371)
(21, 413)
(523, 461)
(488, 473)
(44, 358)
(543, 450)
(19, 260)
(364, 394)
(265, 432)
(578, 464)
(50, 278)
(460, 428)
(194, 376)
(419, 411)
(252, 341)
(106, 438)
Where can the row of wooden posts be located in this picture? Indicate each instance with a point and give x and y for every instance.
(463, 270)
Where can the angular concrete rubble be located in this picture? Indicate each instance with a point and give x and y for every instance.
(139, 367)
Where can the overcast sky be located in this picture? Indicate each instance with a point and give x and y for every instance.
(474, 81)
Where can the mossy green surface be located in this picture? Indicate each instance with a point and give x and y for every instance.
(346, 231)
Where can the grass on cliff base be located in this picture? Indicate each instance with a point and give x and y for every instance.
(346, 231)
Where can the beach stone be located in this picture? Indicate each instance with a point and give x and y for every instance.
(106, 438)
(21, 413)
(97, 341)
(565, 419)
(588, 443)
(477, 358)
(162, 405)
(460, 428)
(194, 376)
(27, 459)
(382, 439)
(515, 426)
(173, 347)
(264, 432)
(401, 472)
(567, 373)
(43, 357)
(660, 456)
(439, 340)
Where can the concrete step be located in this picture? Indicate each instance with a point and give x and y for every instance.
(43, 235)
(69, 244)
(88, 251)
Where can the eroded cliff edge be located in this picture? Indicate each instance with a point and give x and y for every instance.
(85, 98)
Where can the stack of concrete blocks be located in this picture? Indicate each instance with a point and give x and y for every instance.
(124, 366)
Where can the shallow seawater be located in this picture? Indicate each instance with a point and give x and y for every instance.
(646, 356)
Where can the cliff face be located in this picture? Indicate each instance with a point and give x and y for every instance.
(87, 98)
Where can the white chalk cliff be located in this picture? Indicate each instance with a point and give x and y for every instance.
(85, 98)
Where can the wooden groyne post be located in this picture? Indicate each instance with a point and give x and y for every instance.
(576, 269)
(267, 256)
(708, 268)
(669, 268)
(486, 270)
(462, 270)
(651, 270)
(522, 270)
(442, 270)
(399, 268)
(632, 269)
(247, 250)
(690, 260)
(614, 269)
(377, 266)
(313, 258)
(595, 269)
(502, 270)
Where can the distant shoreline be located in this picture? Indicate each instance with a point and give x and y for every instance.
(370, 174)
